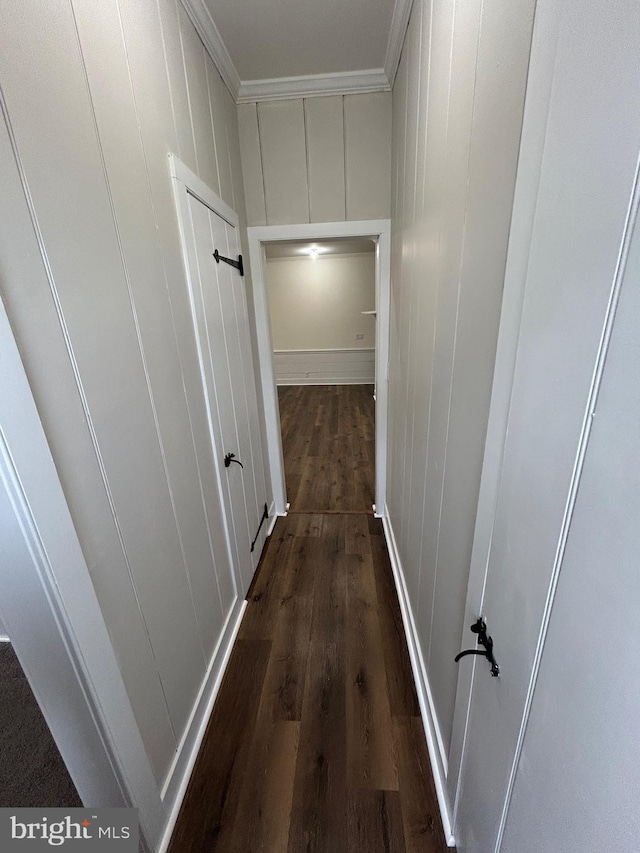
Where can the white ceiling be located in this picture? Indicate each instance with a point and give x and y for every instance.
(267, 49)
(290, 38)
(297, 248)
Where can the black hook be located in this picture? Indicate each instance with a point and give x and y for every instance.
(231, 457)
(480, 628)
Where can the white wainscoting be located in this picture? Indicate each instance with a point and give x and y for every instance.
(325, 367)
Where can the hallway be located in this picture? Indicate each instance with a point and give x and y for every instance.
(316, 742)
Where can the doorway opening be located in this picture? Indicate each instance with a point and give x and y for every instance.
(322, 310)
(265, 245)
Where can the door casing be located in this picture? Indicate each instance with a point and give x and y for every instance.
(380, 231)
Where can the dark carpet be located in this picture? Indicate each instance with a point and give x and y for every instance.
(32, 772)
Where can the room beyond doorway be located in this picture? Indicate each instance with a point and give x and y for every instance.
(259, 238)
(328, 440)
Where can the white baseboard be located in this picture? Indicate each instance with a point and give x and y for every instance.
(325, 367)
(4, 639)
(175, 786)
(435, 742)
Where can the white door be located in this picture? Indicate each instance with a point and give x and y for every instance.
(581, 753)
(219, 306)
(581, 140)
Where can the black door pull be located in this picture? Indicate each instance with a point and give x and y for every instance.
(480, 628)
(237, 264)
(231, 457)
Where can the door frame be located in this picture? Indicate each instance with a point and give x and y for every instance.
(51, 614)
(380, 231)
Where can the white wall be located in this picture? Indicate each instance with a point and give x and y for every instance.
(316, 307)
(580, 756)
(457, 111)
(325, 367)
(318, 303)
(316, 159)
(91, 273)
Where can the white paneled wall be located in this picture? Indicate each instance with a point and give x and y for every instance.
(97, 96)
(316, 159)
(325, 367)
(324, 123)
(284, 161)
(457, 112)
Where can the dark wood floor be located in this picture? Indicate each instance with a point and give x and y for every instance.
(315, 744)
(328, 440)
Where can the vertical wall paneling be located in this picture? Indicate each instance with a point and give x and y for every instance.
(252, 164)
(409, 303)
(367, 152)
(172, 44)
(233, 143)
(284, 160)
(201, 519)
(493, 154)
(197, 88)
(460, 85)
(217, 91)
(93, 285)
(399, 117)
(97, 297)
(126, 172)
(422, 319)
(52, 375)
(446, 592)
(303, 156)
(325, 154)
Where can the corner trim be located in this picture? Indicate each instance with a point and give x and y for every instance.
(210, 35)
(313, 85)
(435, 743)
(399, 24)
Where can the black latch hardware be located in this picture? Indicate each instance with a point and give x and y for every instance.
(480, 628)
(265, 515)
(231, 457)
(237, 264)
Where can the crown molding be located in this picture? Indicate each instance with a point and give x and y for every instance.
(313, 85)
(399, 24)
(208, 32)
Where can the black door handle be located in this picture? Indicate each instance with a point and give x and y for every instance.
(231, 457)
(480, 628)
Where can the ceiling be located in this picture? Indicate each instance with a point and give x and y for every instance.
(297, 248)
(290, 38)
(267, 49)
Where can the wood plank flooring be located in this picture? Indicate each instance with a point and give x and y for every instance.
(315, 744)
(328, 439)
